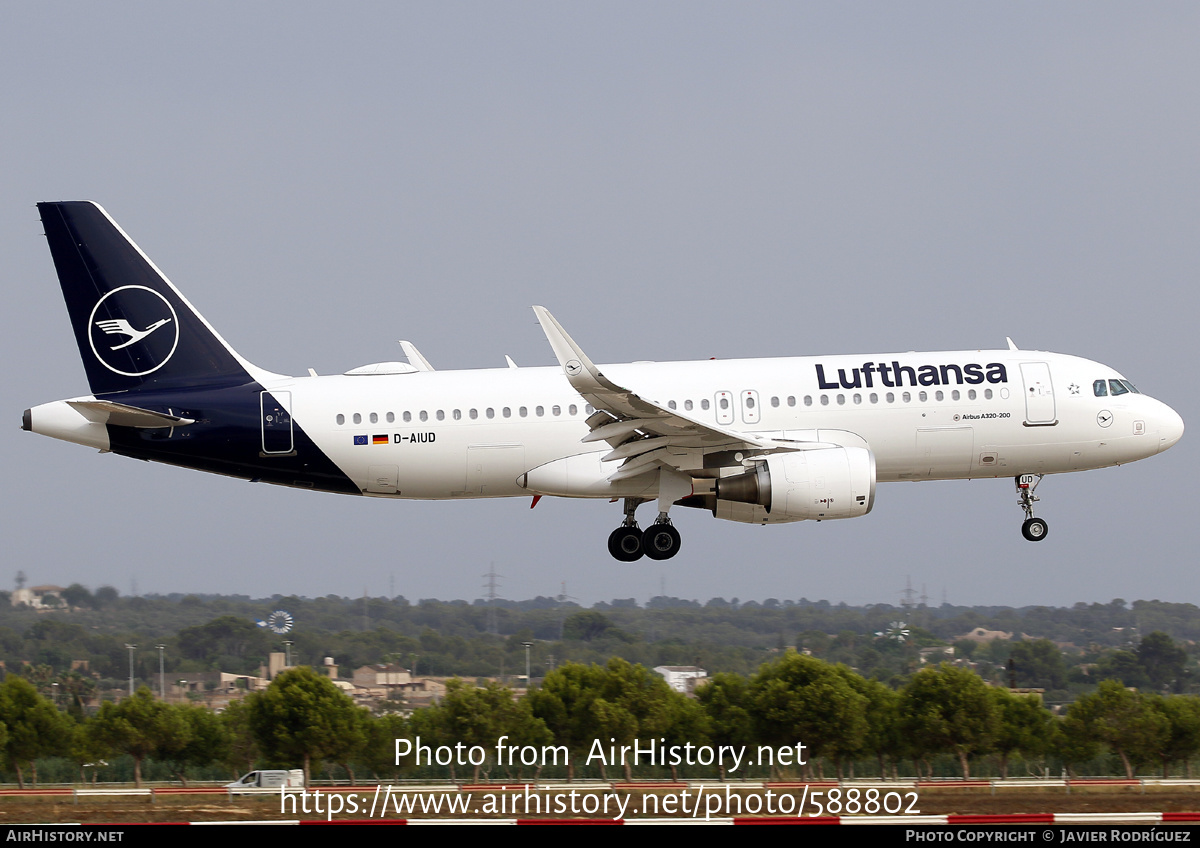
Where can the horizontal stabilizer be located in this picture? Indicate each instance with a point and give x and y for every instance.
(121, 415)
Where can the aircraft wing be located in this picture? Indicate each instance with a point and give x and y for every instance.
(643, 433)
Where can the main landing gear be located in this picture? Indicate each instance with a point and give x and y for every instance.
(658, 541)
(1033, 529)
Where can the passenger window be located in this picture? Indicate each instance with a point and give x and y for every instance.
(474, 413)
(670, 404)
(970, 394)
(807, 400)
(749, 403)
(824, 400)
(374, 418)
(857, 398)
(906, 397)
(457, 415)
(987, 394)
(939, 395)
(891, 397)
(724, 403)
(407, 417)
(357, 418)
(491, 413)
(506, 412)
(424, 416)
(954, 395)
(687, 404)
(774, 402)
(556, 410)
(573, 409)
(1100, 388)
(523, 412)
(589, 408)
(704, 404)
(874, 398)
(341, 419)
(792, 400)
(923, 396)
(540, 411)
(391, 418)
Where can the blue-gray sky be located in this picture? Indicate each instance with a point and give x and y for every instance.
(674, 181)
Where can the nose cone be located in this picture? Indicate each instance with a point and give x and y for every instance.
(1170, 428)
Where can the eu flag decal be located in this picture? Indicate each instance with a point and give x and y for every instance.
(360, 440)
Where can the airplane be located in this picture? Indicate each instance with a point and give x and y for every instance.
(758, 441)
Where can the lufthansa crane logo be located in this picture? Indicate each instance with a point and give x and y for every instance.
(133, 331)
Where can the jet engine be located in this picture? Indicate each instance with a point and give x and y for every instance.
(811, 484)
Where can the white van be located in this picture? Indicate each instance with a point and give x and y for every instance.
(268, 779)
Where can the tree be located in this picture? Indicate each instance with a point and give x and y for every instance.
(1162, 660)
(137, 726)
(1024, 726)
(199, 738)
(242, 751)
(619, 701)
(34, 727)
(226, 636)
(302, 716)
(1182, 740)
(801, 700)
(377, 755)
(479, 716)
(1039, 662)
(725, 699)
(1122, 720)
(948, 709)
(587, 626)
(883, 737)
(565, 703)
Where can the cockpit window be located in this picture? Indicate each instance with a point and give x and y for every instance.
(1117, 388)
(1130, 386)
(1100, 387)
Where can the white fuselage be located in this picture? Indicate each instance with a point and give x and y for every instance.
(464, 434)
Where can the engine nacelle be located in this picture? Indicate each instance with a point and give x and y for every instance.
(814, 484)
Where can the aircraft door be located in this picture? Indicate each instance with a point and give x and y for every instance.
(723, 401)
(276, 409)
(1039, 394)
(750, 411)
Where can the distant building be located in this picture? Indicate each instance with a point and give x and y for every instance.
(981, 634)
(218, 682)
(937, 654)
(382, 675)
(39, 597)
(681, 678)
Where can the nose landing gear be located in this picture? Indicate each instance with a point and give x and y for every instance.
(1033, 529)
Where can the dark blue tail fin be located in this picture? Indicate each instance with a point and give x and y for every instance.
(134, 329)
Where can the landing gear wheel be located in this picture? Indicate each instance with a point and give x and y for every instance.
(1034, 529)
(625, 544)
(660, 541)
